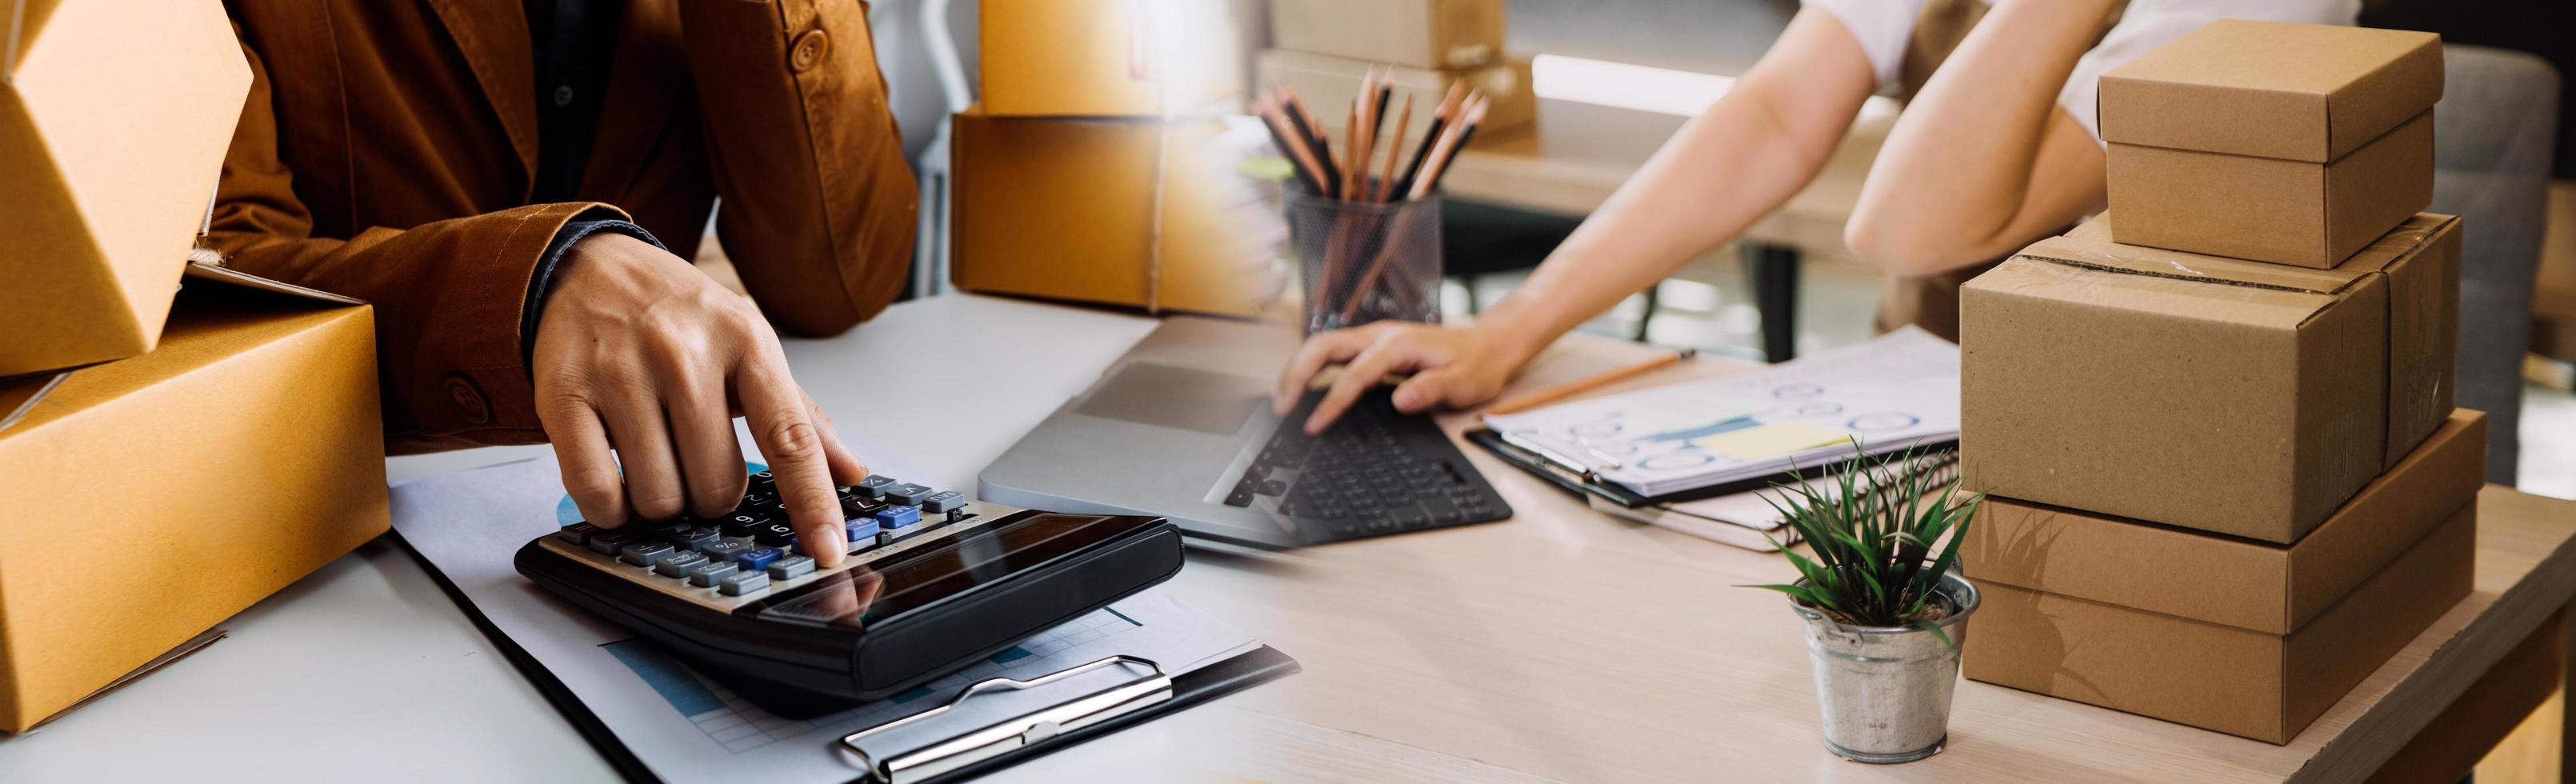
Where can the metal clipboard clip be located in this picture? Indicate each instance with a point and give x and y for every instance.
(1021, 731)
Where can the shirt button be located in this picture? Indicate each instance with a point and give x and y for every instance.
(563, 95)
(468, 400)
(810, 49)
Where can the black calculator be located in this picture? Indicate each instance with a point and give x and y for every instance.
(934, 581)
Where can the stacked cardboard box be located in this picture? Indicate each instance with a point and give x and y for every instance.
(1093, 169)
(2222, 489)
(1321, 48)
(177, 440)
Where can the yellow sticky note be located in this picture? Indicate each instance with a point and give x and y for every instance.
(1771, 440)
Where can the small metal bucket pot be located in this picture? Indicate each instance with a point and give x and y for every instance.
(1885, 691)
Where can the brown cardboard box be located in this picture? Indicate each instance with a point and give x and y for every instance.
(146, 500)
(2204, 392)
(113, 126)
(1069, 209)
(1417, 33)
(1329, 83)
(1057, 58)
(2238, 681)
(2289, 143)
(2256, 586)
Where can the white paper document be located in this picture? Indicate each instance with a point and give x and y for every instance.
(688, 728)
(1896, 392)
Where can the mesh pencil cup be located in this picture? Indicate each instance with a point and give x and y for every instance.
(1362, 261)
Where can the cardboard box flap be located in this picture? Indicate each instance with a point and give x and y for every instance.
(19, 395)
(2090, 246)
(2272, 89)
(202, 270)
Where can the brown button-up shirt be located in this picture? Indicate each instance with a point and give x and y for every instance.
(388, 151)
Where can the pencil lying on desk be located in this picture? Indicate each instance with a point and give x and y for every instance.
(1554, 394)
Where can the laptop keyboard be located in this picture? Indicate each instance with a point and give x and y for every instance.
(1374, 472)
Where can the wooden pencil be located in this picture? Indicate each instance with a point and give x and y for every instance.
(1563, 391)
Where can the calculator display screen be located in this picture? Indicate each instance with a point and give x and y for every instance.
(877, 591)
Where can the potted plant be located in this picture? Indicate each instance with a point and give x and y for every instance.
(1886, 614)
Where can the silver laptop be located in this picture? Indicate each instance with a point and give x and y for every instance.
(1181, 427)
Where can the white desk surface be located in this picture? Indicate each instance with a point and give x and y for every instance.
(1527, 650)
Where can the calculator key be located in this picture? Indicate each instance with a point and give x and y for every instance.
(679, 564)
(860, 507)
(667, 530)
(742, 524)
(577, 533)
(943, 501)
(791, 567)
(609, 542)
(898, 516)
(908, 494)
(874, 486)
(706, 574)
(725, 550)
(1240, 497)
(698, 539)
(863, 533)
(742, 583)
(757, 558)
(775, 535)
(645, 553)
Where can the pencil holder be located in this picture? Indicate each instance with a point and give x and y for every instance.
(1363, 261)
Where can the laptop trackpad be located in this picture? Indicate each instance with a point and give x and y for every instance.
(1173, 396)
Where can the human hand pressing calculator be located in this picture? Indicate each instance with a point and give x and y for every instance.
(932, 581)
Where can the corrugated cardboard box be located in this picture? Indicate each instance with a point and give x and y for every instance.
(1329, 83)
(2238, 681)
(2256, 586)
(1072, 209)
(113, 126)
(1418, 33)
(2289, 143)
(1125, 57)
(146, 500)
(2211, 393)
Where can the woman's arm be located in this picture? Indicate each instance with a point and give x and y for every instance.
(1740, 159)
(1983, 160)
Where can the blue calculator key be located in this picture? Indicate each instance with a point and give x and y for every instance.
(898, 516)
(679, 564)
(874, 486)
(645, 553)
(757, 558)
(863, 533)
(706, 574)
(908, 494)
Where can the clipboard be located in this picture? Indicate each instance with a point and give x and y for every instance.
(1174, 693)
(1575, 479)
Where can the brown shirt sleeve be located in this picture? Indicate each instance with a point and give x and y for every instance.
(448, 295)
(818, 210)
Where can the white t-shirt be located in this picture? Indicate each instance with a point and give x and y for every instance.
(1884, 27)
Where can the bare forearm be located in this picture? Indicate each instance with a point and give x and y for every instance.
(1958, 172)
(1734, 163)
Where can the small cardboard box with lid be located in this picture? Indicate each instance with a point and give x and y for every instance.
(2288, 143)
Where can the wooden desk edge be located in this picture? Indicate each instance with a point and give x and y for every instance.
(2451, 669)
